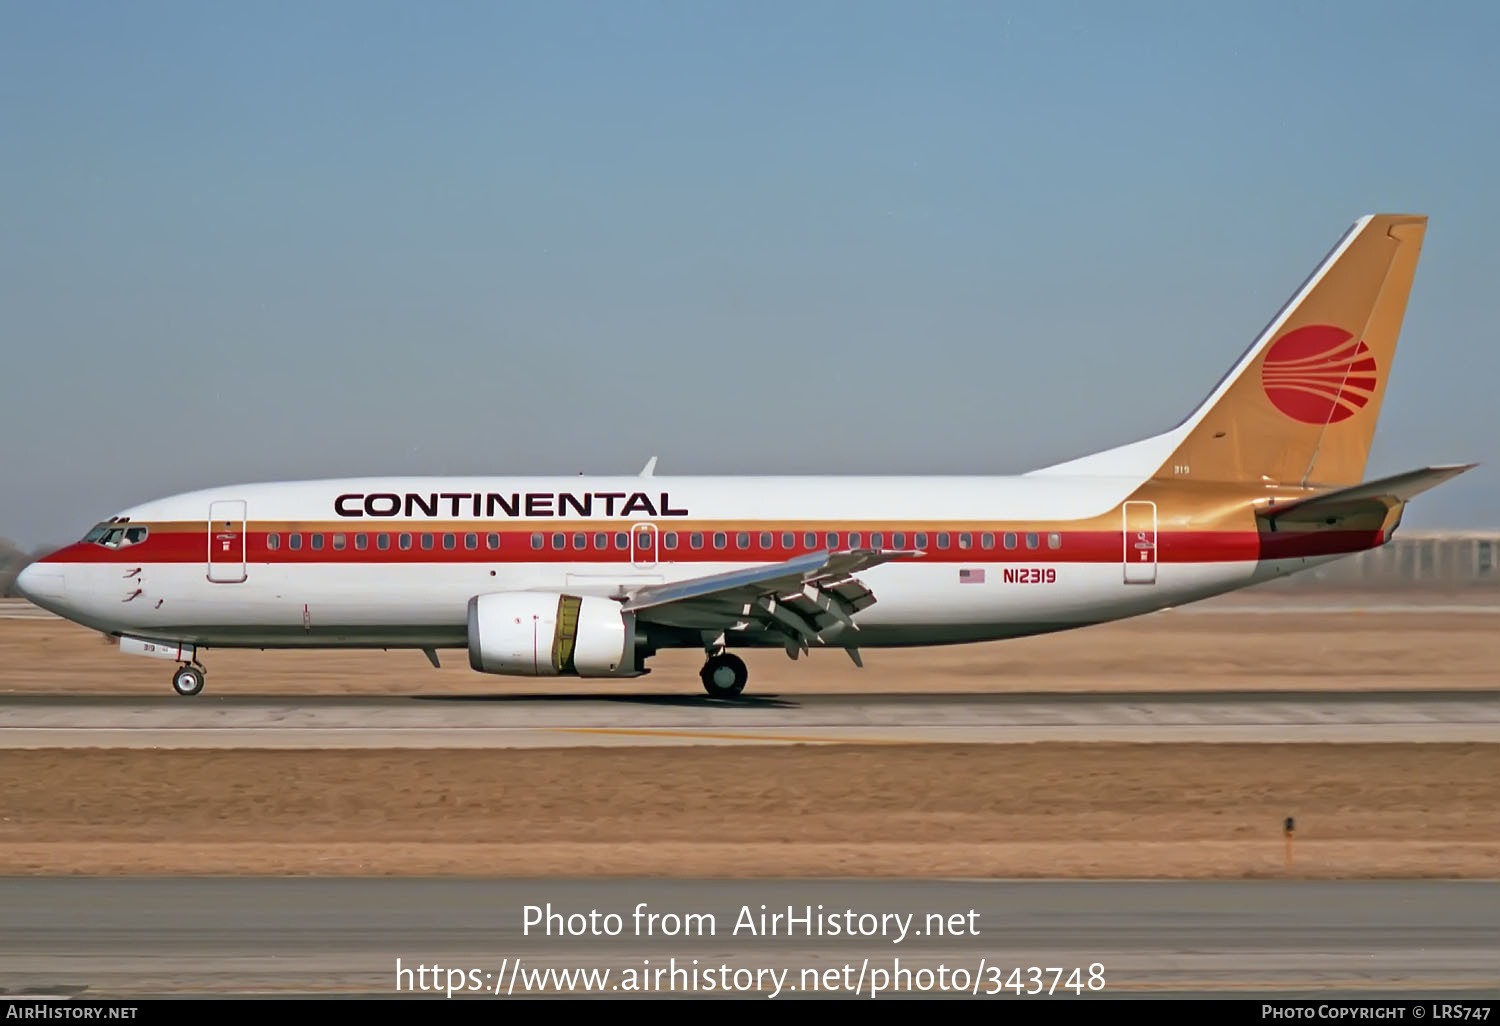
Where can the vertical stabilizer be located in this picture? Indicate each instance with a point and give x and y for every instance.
(1300, 405)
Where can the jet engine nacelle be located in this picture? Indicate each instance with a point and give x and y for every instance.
(542, 634)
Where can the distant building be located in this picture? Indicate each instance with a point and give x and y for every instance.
(1448, 560)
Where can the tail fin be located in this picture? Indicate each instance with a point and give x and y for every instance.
(1300, 405)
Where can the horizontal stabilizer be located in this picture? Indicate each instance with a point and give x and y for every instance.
(1386, 492)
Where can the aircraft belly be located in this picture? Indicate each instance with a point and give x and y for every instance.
(426, 604)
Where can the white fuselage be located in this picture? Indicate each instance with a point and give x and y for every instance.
(1000, 557)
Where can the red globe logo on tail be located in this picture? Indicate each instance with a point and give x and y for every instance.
(1318, 374)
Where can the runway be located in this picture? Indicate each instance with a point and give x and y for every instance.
(550, 721)
(132, 936)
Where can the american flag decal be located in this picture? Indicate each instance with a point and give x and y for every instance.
(971, 577)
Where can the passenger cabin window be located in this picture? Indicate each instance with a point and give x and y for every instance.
(669, 540)
(986, 541)
(1031, 540)
(339, 541)
(643, 541)
(966, 540)
(942, 539)
(492, 541)
(622, 541)
(361, 541)
(810, 540)
(601, 540)
(580, 541)
(382, 542)
(1054, 540)
(854, 539)
(404, 541)
(696, 539)
(767, 540)
(471, 541)
(536, 540)
(1010, 539)
(426, 541)
(449, 541)
(877, 539)
(720, 539)
(921, 539)
(898, 540)
(316, 541)
(273, 542)
(294, 542)
(742, 540)
(559, 540)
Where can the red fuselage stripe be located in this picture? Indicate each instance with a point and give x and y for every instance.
(517, 547)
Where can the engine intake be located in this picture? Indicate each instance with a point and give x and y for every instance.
(541, 634)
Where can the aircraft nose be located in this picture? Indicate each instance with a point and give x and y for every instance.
(40, 583)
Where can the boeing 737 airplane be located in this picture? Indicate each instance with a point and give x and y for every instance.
(580, 577)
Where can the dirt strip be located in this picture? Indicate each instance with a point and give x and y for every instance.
(1051, 810)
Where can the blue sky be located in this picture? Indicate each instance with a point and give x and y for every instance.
(285, 240)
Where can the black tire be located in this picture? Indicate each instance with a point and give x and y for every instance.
(724, 676)
(187, 681)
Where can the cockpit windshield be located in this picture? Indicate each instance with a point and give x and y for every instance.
(114, 535)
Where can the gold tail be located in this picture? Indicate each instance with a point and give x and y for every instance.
(1300, 407)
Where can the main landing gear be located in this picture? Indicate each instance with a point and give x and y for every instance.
(724, 675)
(188, 680)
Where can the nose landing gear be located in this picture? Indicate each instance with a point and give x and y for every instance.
(188, 680)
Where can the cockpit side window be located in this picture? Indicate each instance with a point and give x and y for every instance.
(117, 536)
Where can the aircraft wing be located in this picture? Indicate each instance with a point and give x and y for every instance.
(1379, 495)
(807, 599)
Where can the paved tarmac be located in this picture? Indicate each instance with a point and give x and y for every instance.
(154, 936)
(532, 721)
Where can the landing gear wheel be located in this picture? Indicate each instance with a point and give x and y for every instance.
(724, 675)
(187, 681)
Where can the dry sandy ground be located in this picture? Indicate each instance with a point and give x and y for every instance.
(1023, 810)
(1175, 651)
(1059, 810)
